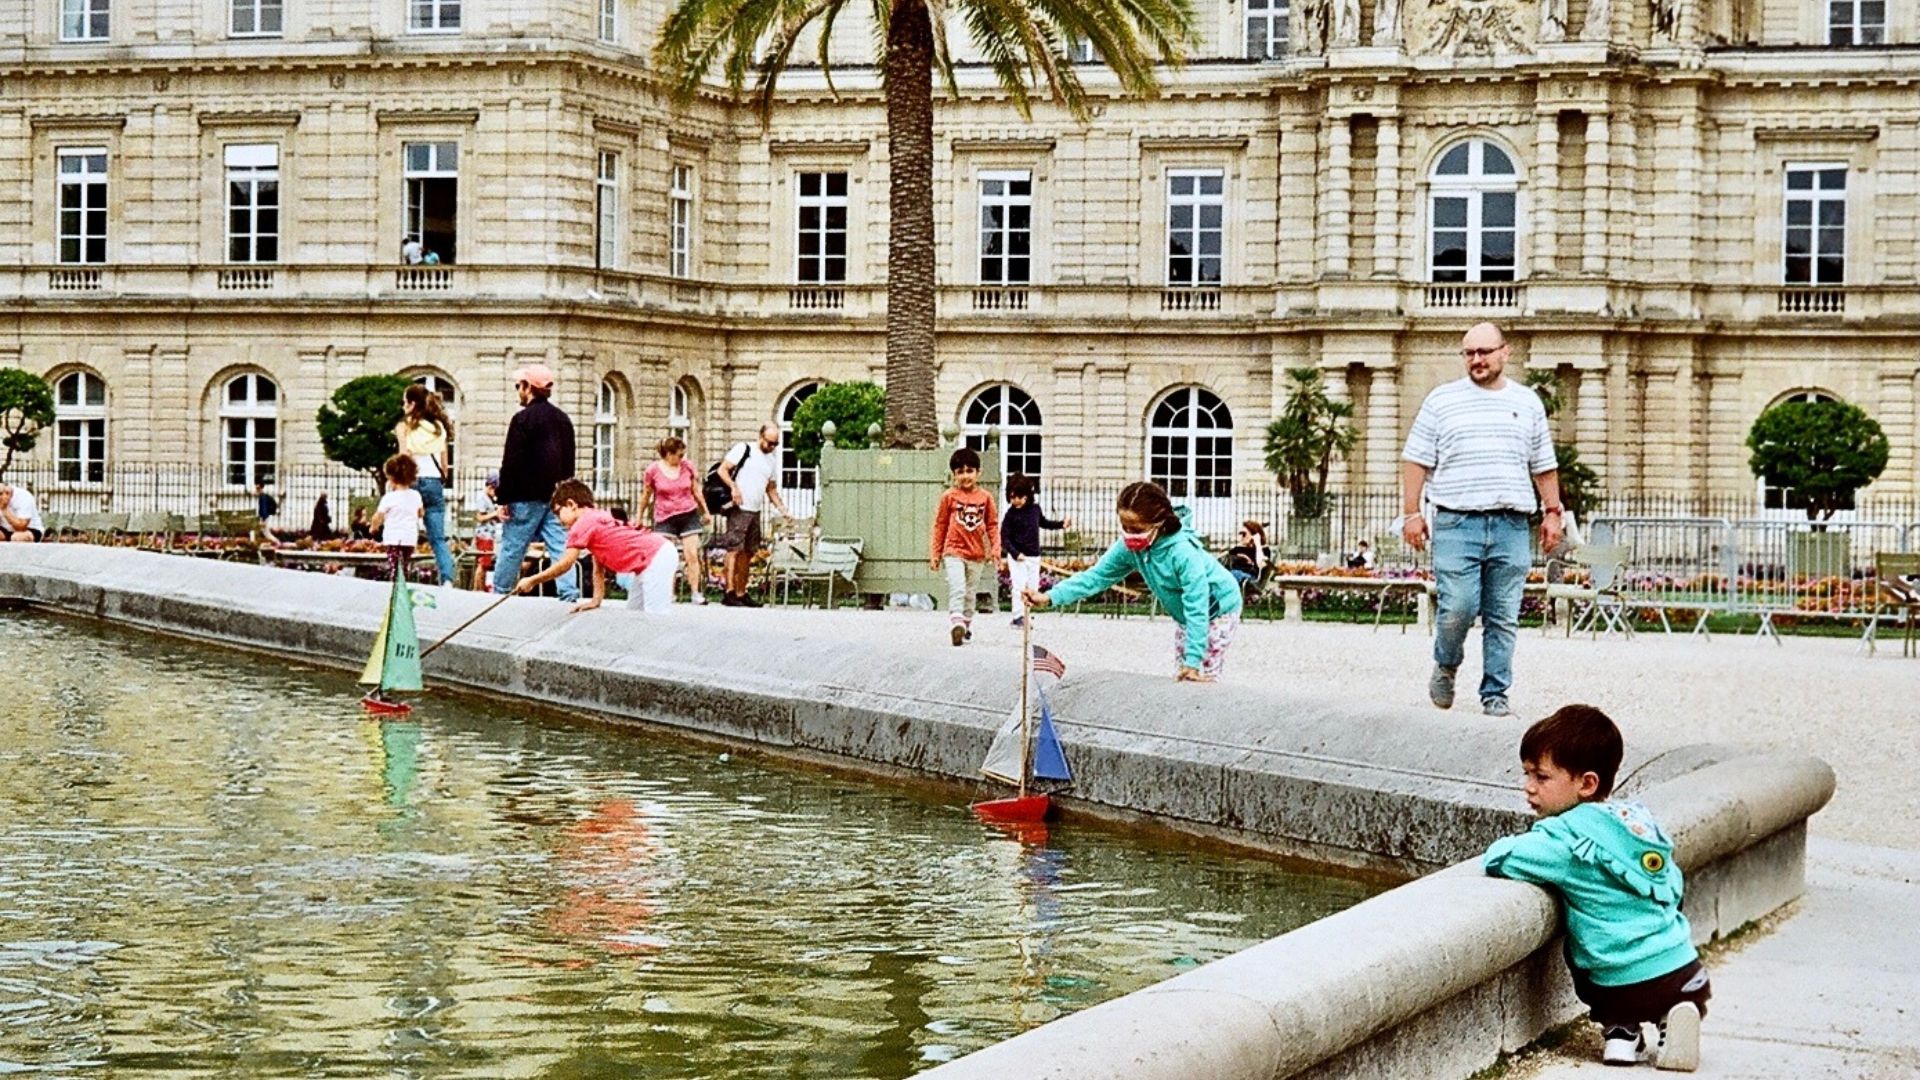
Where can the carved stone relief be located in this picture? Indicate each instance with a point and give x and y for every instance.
(1474, 27)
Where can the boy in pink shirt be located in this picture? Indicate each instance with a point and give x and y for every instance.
(641, 560)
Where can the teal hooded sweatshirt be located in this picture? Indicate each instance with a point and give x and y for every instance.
(1613, 869)
(1190, 583)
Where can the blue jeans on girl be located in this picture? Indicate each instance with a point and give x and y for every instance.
(433, 503)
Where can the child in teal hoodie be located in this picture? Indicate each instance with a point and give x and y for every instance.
(1196, 590)
(1628, 945)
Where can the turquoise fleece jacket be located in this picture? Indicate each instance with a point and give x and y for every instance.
(1613, 869)
(1191, 584)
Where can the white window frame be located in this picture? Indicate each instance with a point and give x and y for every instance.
(81, 423)
(610, 21)
(1473, 186)
(1082, 51)
(434, 16)
(823, 203)
(606, 210)
(86, 20)
(606, 432)
(1816, 197)
(793, 475)
(250, 168)
(259, 418)
(1266, 29)
(449, 393)
(680, 413)
(258, 10)
(1184, 485)
(1017, 416)
(443, 162)
(680, 221)
(87, 185)
(1196, 202)
(1007, 201)
(1848, 25)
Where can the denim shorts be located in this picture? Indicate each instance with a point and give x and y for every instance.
(680, 526)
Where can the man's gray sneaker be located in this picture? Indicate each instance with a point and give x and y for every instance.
(1440, 686)
(1496, 706)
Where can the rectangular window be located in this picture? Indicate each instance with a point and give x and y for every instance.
(822, 228)
(83, 205)
(1856, 22)
(256, 18)
(85, 20)
(433, 198)
(80, 433)
(1196, 227)
(433, 16)
(610, 21)
(680, 222)
(253, 203)
(1266, 29)
(1816, 225)
(1006, 228)
(1082, 51)
(606, 210)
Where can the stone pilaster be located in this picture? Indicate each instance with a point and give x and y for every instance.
(1336, 197)
(1896, 415)
(1593, 256)
(1115, 426)
(1386, 201)
(1066, 415)
(1590, 419)
(1546, 186)
(1383, 439)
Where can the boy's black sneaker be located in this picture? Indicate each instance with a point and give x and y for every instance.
(1624, 1046)
(731, 600)
(747, 601)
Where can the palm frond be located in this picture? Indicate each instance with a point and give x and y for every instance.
(1025, 42)
(942, 56)
(826, 43)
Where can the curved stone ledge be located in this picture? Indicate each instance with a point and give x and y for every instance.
(1433, 979)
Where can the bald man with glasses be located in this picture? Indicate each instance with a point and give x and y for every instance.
(1481, 454)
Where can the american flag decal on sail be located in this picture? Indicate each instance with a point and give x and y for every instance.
(1049, 663)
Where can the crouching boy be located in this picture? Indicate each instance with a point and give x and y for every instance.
(1628, 946)
(641, 560)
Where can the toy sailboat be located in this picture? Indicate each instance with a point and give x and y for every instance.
(394, 663)
(1024, 752)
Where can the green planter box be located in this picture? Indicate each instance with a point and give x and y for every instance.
(886, 498)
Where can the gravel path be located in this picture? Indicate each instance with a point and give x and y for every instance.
(1811, 694)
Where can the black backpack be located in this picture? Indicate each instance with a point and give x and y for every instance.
(718, 495)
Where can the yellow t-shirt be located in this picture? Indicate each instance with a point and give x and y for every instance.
(426, 441)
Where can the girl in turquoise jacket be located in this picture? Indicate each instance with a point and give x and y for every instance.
(1196, 590)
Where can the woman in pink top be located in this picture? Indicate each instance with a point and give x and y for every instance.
(643, 561)
(679, 509)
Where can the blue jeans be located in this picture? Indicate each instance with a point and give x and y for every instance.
(1480, 564)
(433, 502)
(527, 522)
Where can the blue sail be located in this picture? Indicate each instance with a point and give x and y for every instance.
(1049, 759)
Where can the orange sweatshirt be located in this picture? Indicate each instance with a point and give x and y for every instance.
(967, 525)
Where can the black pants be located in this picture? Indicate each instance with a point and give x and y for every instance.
(1627, 1006)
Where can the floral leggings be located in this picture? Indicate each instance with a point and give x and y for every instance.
(1219, 636)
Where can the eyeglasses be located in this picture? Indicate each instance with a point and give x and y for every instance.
(1475, 354)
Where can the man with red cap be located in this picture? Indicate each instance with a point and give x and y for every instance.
(538, 455)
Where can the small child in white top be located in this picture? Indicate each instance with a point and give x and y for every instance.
(400, 512)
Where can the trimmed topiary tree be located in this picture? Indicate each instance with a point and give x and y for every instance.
(26, 406)
(1823, 451)
(356, 426)
(852, 406)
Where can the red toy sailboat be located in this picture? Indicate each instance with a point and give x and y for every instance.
(1023, 752)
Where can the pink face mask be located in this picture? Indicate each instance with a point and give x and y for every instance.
(1138, 541)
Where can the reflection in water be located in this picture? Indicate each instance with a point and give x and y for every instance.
(213, 866)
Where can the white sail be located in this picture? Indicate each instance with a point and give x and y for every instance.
(1003, 762)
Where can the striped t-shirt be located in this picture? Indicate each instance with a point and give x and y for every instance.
(1484, 446)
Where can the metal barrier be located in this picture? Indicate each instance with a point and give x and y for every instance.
(1673, 565)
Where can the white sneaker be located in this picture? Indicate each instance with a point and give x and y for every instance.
(1680, 1039)
(699, 599)
(1623, 1047)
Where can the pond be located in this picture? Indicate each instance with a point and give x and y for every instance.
(212, 864)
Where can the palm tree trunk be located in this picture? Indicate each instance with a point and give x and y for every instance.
(911, 423)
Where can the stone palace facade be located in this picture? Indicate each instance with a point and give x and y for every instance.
(1690, 209)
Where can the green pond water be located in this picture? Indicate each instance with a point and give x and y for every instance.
(212, 865)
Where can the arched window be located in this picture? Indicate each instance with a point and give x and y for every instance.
(1473, 214)
(793, 475)
(606, 428)
(1014, 412)
(80, 428)
(1190, 444)
(1802, 395)
(449, 397)
(250, 429)
(682, 403)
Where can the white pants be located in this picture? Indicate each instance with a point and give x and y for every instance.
(964, 578)
(1023, 573)
(652, 590)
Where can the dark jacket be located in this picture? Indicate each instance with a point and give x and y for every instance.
(1020, 529)
(538, 454)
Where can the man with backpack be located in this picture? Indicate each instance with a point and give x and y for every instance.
(748, 475)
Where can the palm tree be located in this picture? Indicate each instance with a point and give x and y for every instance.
(1024, 42)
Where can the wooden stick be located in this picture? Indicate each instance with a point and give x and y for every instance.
(483, 611)
(1026, 721)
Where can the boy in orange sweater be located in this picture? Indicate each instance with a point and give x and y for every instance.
(966, 541)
